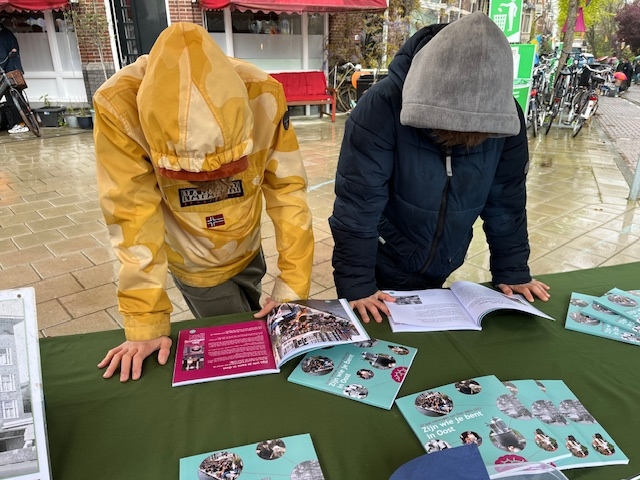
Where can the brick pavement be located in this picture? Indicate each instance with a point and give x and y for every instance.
(619, 117)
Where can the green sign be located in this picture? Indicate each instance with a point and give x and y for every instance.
(507, 14)
(523, 57)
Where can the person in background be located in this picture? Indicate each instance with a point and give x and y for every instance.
(187, 143)
(9, 48)
(423, 156)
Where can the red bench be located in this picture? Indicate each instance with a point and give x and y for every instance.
(307, 88)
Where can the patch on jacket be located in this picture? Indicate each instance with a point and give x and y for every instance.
(193, 196)
(215, 220)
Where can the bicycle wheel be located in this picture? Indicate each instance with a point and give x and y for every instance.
(25, 112)
(347, 96)
(551, 116)
(578, 125)
(577, 105)
(533, 114)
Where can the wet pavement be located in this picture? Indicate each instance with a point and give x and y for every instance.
(53, 236)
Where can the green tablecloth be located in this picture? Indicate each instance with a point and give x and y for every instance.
(102, 429)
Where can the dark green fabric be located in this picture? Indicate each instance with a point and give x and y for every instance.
(101, 428)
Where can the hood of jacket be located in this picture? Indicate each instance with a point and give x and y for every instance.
(194, 107)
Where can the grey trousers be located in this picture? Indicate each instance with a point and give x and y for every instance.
(238, 294)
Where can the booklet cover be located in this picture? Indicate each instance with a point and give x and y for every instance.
(370, 372)
(560, 433)
(461, 307)
(591, 442)
(482, 411)
(258, 347)
(293, 458)
(625, 303)
(585, 316)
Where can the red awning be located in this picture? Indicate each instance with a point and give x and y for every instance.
(297, 6)
(32, 5)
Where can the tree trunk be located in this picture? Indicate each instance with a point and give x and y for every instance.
(567, 41)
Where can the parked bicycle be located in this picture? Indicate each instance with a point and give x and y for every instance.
(536, 107)
(346, 94)
(585, 103)
(12, 85)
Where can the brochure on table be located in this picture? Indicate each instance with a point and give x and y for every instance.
(585, 316)
(259, 347)
(553, 403)
(482, 411)
(596, 444)
(625, 303)
(26, 455)
(292, 457)
(461, 307)
(370, 372)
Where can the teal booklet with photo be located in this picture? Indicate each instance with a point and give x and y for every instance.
(591, 442)
(292, 457)
(586, 316)
(481, 411)
(370, 372)
(560, 433)
(625, 303)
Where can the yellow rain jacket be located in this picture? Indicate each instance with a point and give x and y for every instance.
(186, 107)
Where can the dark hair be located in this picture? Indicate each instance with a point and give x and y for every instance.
(448, 138)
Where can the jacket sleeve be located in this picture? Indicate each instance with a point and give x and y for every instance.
(284, 188)
(130, 201)
(505, 215)
(365, 166)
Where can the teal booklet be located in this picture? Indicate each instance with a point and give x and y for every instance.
(370, 372)
(560, 433)
(625, 303)
(481, 411)
(291, 457)
(586, 316)
(591, 442)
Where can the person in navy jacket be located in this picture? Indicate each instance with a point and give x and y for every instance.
(438, 143)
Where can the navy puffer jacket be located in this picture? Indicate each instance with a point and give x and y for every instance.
(400, 220)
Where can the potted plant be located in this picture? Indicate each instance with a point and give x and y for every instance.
(49, 115)
(85, 119)
(71, 114)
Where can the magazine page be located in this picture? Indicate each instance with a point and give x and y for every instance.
(598, 446)
(482, 411)
(25, 449)
(436, 309)
(292, 457)
(625, 303)
(295, 329)
(583, 316)
(480, 300)
(223, 351)
(370, 372)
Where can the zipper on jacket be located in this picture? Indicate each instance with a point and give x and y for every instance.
(441, 213)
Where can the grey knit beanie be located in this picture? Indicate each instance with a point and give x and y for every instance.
(462, 81)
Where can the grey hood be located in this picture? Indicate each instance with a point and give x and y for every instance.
(462, 81)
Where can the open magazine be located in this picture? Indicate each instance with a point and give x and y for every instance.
(259, 347)
(461, 307)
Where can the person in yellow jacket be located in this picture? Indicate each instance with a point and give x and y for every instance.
(187, 142)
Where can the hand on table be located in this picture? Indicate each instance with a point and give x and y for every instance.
(373, 304)
(534, 287)
(130, 355)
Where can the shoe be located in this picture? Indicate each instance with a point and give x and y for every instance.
(18, 128)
